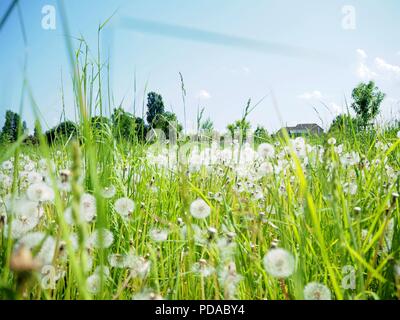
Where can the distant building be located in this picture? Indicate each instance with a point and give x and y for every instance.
(302, 129)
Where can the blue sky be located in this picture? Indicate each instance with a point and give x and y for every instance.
(319, 64)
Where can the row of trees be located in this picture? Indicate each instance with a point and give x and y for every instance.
(122, 124)
(367, 99)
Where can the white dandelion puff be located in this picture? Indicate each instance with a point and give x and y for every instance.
(332, 141)
(7, 165)
(279, 263)
(200, 209)
(266, 150)
(40, 192)
(94, 239)
(316, 291)
(124, 206)
(108, 192)
(158, 235)
(88, 207)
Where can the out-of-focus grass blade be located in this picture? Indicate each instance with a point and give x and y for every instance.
(11, 149)
(365, 263)
(8, 13)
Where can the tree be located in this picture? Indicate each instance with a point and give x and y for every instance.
(207, 126)
(64, 130)
(260, 134)
(343, 123)
(166, 120)
(240, 126)
(367, 100)
(155, 107)
(127, 126)
(10, 129)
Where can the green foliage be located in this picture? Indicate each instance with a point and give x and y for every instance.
(9, 132)
(344, 123)
(62, 132)
(158, 118)
(260, 134)
(239, 126)
(367, 100)
(207, 126)
(165, 121)
(155, 107)
(127, 126)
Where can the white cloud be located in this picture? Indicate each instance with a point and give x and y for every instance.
(387, 67)
(311, 95)
(363, 71)
(335, 108)
(203, 95)
(246, 70)
(362, 54)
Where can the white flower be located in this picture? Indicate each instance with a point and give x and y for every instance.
(199, 235)
(139, 266)
(226, 247)
(203, 268)
(265, 169)
(88, 207)
(87, 210)
(26, 217)
(5, 181)
(93, 283)
(339, 149)
(158, 235)
(29, 166)
(31, 239)
(108, 192)
(47, 244)
(117, 260)
(350, 159)
(94, 239)
(279, 263)
(229, 279)
(398, 134)
(124, 206)
(147, 295)
(40, 192)
(7, 165)
(332, 141)
(350, 188)
(34, 177)
(316, 291)
(200, 209)
(47, 250)
(266, 150)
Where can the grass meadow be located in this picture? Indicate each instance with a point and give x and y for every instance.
(97, 217)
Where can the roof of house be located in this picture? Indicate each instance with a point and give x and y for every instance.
(304, 126)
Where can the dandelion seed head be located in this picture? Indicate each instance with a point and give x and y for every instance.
(200, 209)
(279, 263)
(124, 207)
(316, 291)
(266, 150)
(40, 192)
(88, 207)
(332, 141)
(94, 239)
(108, 192)
(158, 235)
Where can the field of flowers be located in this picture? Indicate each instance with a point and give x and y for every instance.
(301, 218)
